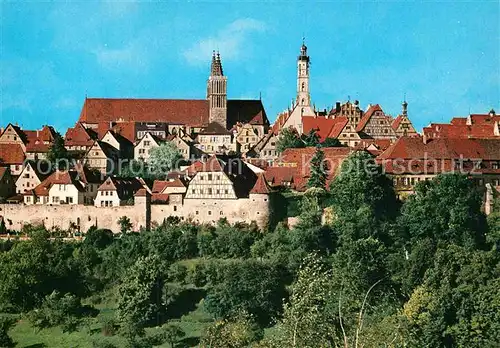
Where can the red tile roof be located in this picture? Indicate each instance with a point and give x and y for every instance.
(323, 125)
(459, 121)
(79, 136)
(397, 121)
(192, 112)
(440, 130)
(39, 140)
(160, 185)
(445, 148)
(11, 154)
(261, 186)
(366, 117)
(295, 166)
(338, 127)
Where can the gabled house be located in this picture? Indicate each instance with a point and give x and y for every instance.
(103, 157)
(7, 187)
(142, 149)
(75, 186)
(221, 179)
(265, 149)
(215, 139)
(169, 191)
(79, 138)
(12, 134)
(120, 143)
(183, 146)
(38, 142)
(115, 192)
(32, 175)
(12, 156)
(247, 136)
(375, 124)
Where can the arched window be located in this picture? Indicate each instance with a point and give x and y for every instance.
(303, 86)
(303, 101)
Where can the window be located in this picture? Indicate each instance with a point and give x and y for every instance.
(221, 212)
(175, 208)
(193, 191)
(28, 199)
(102, 203)
(38, 199)
(55, 199)
(209, 191)
(495, 165)
(226, 191)
(197, 212)
(209, 212)
(218, 191)
(69, 200)
(209, 177)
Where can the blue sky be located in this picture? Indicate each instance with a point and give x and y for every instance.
(445, 56)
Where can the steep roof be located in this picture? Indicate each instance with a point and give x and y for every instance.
(122, 185)
(444, 130)
(3, 170)
(11, 154)
(261, 186)
(42, 169)
(39, 140)
(192, 112)
(79, 136)
(323, 125)
(338, 127)
(366, 116)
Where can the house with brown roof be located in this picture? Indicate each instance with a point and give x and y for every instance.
(265, 149)
(33, 173)
(103, 157)
(215, 139)
(34, 143)
(12, 156)
(376, 124)
(7, 186)
(79, 138)
(75, 186)
(169, 191)
(413, 159)
(115, 192)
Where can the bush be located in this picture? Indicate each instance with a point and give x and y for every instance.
(5, 324)
(177, 273)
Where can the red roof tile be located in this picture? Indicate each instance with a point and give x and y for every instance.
(11, 154)
(338, 127)
(79, 136)
(323, 125)
(3, 170)
(366, 117)
(261, 186)
(160, 185)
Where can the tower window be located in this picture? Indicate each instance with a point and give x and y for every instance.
(303, 86)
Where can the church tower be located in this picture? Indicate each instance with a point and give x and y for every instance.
(217, 92)
(303, 95)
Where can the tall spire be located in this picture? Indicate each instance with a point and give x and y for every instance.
(216, 67)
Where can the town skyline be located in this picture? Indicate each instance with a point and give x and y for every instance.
(46, 81)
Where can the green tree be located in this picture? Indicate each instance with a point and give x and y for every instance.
(169, 333)
(140, 296)
(57, 155)
(5, 324)
(163, 159)
(57, 310)
(288, 138)
(125, 224)
(331, 142)
(251, 286)
(446, 209)
(458, 303)
(238, 331)
(318, 170)
(311, 138)
(361, 185)
(307, 319)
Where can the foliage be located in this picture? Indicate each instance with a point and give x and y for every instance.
(5, 324)
(361, 185)
(98, 238)
(58, 310)
(307, 320)
(331, 142)
(288, 139)
(140, 296)
(446, 209)
(164, 158)
(318, 170)
(311, 138)
(57, 155)
(236, 332)
(125, 224)
(169, 333)
(251, 286)
(458, 304)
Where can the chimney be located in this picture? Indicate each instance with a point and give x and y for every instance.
(337, 106)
